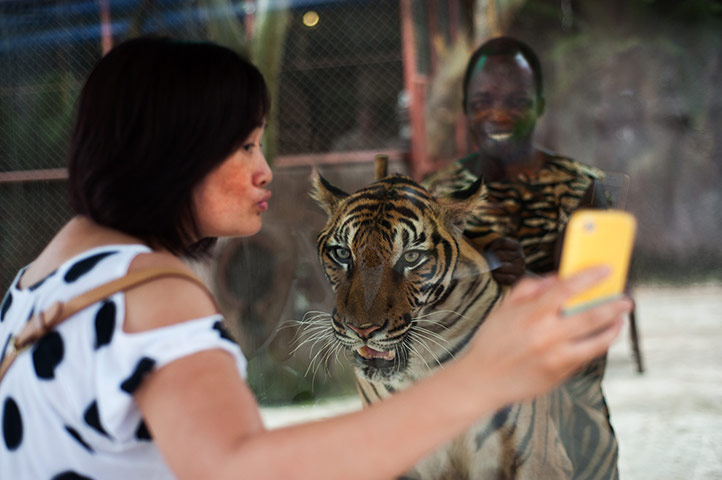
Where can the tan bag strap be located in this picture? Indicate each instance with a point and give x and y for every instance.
(42, 322)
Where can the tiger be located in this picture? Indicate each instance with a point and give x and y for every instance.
(410, 292)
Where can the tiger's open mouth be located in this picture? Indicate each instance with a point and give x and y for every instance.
(377, 365)
(370, 354)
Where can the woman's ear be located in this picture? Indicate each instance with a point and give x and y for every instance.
(326, 195)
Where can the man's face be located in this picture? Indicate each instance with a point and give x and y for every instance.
(502, 105)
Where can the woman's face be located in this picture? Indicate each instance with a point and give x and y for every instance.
(229, 201)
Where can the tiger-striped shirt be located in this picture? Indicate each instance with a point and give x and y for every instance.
(531, 208)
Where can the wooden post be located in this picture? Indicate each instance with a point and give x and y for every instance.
(381, 166)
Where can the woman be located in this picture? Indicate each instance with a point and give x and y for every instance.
(166, 156)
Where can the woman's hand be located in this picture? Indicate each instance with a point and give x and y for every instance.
(527, 346)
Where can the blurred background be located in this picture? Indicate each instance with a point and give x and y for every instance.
(632, 86)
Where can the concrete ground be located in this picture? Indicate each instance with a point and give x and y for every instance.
(669, 418)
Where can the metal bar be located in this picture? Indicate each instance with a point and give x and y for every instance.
(285, 161)
(105, 26)
(357, 156)
(415, 85)
(41, 175)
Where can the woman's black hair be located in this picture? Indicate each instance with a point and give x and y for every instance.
(154, 118)
(508, 47)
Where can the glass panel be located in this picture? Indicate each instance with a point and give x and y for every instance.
(630, 88)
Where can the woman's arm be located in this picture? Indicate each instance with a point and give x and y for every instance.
(205, 421)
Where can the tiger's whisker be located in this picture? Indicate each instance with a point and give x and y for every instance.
(416, 351)
(311, 338)
(315, 338)
(420, 341)
(430, 336)
(434, 312)
(313, 360)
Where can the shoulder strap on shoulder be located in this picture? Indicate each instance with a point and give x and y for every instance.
(42, 322)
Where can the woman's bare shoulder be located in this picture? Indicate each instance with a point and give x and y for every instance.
(165, 301)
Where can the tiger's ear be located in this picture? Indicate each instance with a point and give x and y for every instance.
(326, 195)
(459, 205)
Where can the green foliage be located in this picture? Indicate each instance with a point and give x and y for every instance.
(224, 28)
(293, 382)
(267, 51)
(36, 122)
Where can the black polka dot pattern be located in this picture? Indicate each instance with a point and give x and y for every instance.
(143, 368)
(84, 266)
(5, 347)
(142, 433)
(7, 301)
(104, 324)
(77, 423)
(70, 476)
(223, 331)
(47, 354)
(37, 285)
(74, 433)
(12, 424)
(92, 418)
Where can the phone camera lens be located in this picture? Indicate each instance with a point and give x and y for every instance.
(589, 226)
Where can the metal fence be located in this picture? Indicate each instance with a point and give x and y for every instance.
(340, 79)
(620, 96)
(338, 87)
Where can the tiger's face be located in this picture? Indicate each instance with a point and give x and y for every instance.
(389, 251)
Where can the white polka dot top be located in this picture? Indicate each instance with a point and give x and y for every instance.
(66, 404)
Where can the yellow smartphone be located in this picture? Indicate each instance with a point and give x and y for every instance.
(598, 237)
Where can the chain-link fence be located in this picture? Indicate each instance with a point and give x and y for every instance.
(620, 96)
(339, 81)
(336, 88)
(43, 58)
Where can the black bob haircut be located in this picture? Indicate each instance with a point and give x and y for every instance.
(507, 47)
(155, 116)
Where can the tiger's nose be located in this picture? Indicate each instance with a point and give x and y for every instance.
(364, 331)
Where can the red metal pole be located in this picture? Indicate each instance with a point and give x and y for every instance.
(249, 19)
(415, 85)
(461, 128)
(106, 31)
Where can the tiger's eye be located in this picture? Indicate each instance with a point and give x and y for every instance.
(343, 253)
(411, 257)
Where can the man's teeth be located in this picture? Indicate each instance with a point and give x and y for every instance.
(500, 137)
(369, 353)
